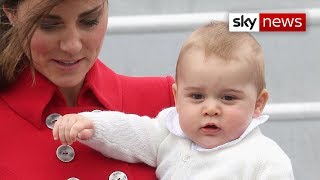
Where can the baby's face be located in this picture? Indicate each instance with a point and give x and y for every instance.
(215, 99)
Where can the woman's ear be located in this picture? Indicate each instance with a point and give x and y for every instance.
(10, 13)
(260, 103)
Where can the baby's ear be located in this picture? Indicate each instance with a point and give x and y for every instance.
(174, 91)
(175, 95)
(260, 103)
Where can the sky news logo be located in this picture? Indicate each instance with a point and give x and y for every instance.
(266, 22)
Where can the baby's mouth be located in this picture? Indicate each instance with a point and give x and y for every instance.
(210, 129)
(211, 126)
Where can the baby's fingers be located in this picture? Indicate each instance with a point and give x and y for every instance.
(82, 126)
(70, 122)
(55, 130)
(85, 134)
(59, 129)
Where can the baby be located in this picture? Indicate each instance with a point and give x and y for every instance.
(212, 132)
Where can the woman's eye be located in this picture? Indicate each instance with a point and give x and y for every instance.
(90, 22)
(197, 96)
(49, 25)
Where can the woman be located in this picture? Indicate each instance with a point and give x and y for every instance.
(49, 67)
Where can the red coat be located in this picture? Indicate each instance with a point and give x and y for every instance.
(27, 149)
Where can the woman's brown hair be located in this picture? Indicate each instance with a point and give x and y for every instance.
(15, 39)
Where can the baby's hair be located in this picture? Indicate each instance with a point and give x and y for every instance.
(216, 39)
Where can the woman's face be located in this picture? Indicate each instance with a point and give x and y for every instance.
(68, 40)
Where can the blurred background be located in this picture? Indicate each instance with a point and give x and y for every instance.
(292, 61)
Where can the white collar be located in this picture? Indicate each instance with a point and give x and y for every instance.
(173, 126)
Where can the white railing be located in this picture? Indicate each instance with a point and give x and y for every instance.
(181, 22)
(293, 111)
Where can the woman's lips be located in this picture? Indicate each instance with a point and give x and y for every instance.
(68, 65)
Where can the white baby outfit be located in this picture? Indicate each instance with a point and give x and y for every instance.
(160, 142)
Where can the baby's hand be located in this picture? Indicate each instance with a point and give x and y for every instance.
(71, 126)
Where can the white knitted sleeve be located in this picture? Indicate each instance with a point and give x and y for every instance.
(277, 170)
(127, 137)
(276, 165)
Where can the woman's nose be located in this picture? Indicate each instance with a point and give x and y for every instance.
(71, 43)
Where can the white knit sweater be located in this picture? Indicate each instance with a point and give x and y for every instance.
(157, 142)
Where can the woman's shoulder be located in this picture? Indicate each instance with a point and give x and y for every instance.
(163, 82)
(134, 81)
(140, 95)
(149, 94)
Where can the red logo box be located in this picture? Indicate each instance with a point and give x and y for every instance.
(282, 22)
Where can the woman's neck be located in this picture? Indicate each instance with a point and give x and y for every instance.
(71, 94)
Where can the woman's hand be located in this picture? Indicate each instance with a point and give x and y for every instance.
(71, 126)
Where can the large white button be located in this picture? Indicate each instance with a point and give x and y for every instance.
(97, 110)
(73, 178)
(51, 119)
(118, 175)
(65, 153)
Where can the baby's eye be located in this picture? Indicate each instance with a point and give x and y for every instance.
(197, 96)
(228, 98)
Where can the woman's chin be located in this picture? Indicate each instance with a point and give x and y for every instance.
(72, 83)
